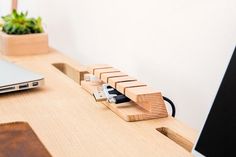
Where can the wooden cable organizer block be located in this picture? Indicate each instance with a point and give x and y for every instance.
(145, 103)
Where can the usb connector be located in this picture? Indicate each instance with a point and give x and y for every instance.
(110, 94)
(100, 96)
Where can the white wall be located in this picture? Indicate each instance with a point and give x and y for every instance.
(180, 47)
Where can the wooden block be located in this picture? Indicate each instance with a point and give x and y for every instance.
(129, 111)
(99, 72)
(92, 68)
(28, 44)
(106, 76)
(70, 70)
(113, 81)
(123, 85)
(134, 93)
(90, 87)
(147, 98)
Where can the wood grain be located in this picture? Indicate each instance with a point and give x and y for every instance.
(29, 44)
(106, 76)
(99, 72)
(90, 87)
(185, 143)
(18, 139)
(92, 68)
(113, 81)
(150, 101)
(71, 72)
(70, 123)
(130, 111)
(145, 96)
(123, 85)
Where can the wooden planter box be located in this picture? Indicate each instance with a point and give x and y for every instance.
(28, 44)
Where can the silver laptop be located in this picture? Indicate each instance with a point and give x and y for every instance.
(15, 78)
(218, 135)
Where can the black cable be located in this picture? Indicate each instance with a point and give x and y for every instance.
(171, 104)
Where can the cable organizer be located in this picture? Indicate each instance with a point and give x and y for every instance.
(145, 103)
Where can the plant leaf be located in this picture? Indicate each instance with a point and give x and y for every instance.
(18, 23)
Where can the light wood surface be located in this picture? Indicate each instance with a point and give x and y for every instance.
(98, 72)
(114, 81)
(146, 102)
(106, 76)
(150, 106)
(71, 124)
(91, 87)
(145, 97)
(29, 44)
(122, 86)
(92, 68)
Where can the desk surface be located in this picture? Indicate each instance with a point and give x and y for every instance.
(71, 124)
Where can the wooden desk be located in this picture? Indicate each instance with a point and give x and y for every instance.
(71, 124)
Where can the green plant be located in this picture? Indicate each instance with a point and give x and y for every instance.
(18, 23)
(1, 24)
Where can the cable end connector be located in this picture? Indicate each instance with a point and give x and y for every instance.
(100, 96)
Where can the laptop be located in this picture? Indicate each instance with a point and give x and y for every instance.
(218, 135)
(15, 78)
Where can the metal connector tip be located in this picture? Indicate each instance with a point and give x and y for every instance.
(99, 96)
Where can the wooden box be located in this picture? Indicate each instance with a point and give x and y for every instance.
(29, 44)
